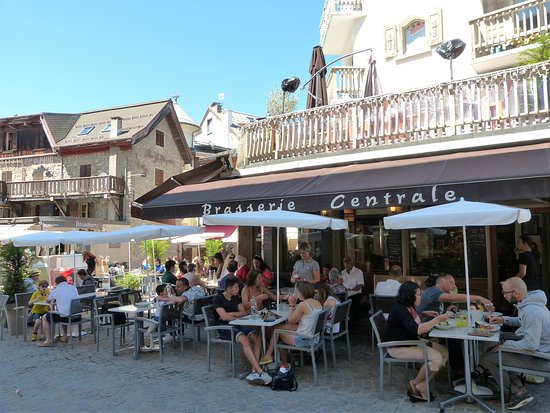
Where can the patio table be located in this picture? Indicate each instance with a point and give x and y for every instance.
(136, 311)
(258, 322)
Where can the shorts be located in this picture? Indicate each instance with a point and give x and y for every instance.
(58, 319)
(237, 330)
(36, 316)
(306, 342)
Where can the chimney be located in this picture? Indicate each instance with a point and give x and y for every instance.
(116, 126)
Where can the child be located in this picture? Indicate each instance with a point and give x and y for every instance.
(38, 310)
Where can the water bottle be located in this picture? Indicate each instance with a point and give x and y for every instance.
(253, 309)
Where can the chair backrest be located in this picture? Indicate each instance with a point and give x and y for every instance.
(341, 313)
(201, 302)
(209, 318)
(381, 302)
(3, 301)
(76, 306)
(22, 299)
(379, 326)
(320, 323)
(85, 289)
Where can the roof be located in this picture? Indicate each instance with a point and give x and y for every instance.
(60, 124)
(183, 117)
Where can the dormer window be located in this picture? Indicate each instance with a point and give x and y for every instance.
(209, 126)
(85, 131)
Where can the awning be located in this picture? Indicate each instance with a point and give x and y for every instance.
(491, 175)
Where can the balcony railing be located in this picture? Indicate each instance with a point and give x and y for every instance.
(510, 27)
(335, 7)
(508, 99)
(345, 82)
(72, 187)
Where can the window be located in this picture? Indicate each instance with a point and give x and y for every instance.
(6, 176)
(85, 170)
(106, 128)
(209, 127)
(414, 36)
(86, 130)
(8, 142)
(160, 138)
(85, 211)
(159, 176)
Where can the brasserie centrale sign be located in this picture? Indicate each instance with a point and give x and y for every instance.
(372, 199)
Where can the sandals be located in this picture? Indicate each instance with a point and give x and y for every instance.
(415, 399)
(480, 374)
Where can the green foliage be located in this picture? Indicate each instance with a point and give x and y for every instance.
(161, 246)
(133, 282)
(212, 246)
(274, 104)
(538, 54)
(15, 263)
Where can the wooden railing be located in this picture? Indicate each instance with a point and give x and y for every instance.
(510, 27)
(508, 99)
(337, 6)
(345, 82)
(93, 185)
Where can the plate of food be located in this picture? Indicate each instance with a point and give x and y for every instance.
(481, 332)
(443, 325)
(487, 326)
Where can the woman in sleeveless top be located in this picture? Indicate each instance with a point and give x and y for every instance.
(328, 300)
(301, 318)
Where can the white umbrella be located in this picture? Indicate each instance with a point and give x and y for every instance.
(143, 232)
(277, 218)
(459, 214)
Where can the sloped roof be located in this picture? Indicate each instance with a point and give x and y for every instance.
(183, 117)
(60, 124)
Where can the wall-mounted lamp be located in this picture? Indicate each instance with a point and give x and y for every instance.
(451, 50)
(142, 174)
(393, 210)
(289, 85)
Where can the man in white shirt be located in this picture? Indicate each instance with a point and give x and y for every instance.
(390, 287)
(353, 280)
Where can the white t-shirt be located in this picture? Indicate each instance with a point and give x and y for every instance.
(63, 294)
(352, 279)
(388, 288)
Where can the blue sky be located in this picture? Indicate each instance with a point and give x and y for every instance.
(71, 56)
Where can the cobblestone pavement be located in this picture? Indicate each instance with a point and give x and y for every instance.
(59, 379)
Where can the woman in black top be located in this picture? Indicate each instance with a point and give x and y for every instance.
(404, 324)
(528, 261)
(91, 262)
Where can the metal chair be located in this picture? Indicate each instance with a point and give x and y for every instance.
(107, 321)
(502, 351)
(380, 328)
(380, 302)
(3, 301)
(194, 321)
(341, 317)
(22, 311)
(212, 336)
(74, 318)
(319, 331)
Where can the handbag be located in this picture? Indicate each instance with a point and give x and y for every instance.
(284, 381)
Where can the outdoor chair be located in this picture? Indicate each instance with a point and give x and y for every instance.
(380, 302)
(319, 331)
(22, 311)
(3, 301)
(212, 336)
(502, 351)
(341, 317)
(145, 325)
(197, 319)
(74, 318)
(380, 329)
(108, 321)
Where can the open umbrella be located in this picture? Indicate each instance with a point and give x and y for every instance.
(277, 218)
(317, 89)
(459, 214)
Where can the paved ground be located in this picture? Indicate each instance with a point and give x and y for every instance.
(42, 380)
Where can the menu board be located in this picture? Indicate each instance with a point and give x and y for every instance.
(394, 247)
(477, 252)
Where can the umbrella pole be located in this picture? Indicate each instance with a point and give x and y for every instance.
(278, 256)
(466, 271)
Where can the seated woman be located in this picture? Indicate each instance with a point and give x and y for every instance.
(255, 288)
(335, 282)
(301, 318)
(404, 324)
(328, 300)
(259, 264)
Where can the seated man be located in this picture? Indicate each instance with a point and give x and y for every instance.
(63, 294)
(185, 295)
(390, 287)
(433, 302)
(533, 321)
(85, 278)
(228, 307)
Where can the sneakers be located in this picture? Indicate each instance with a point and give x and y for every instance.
(259, 379)
(33, 337)
(519, 400)
(531, 378)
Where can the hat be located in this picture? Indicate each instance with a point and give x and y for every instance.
(33, 272)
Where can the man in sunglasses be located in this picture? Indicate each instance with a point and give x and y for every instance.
(533, 322)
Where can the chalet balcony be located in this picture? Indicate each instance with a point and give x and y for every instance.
(500, 36)
(93, 186)
(447, 117)
(336, 27)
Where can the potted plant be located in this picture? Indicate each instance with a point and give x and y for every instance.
(130, 281)
(15, 263)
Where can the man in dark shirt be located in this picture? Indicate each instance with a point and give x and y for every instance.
(228, 307)
(168, 277)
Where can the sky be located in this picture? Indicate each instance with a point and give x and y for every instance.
(71, 56)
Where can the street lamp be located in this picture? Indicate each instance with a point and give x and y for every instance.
(289, 85)
(450, 50)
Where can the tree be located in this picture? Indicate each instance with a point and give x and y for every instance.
(14, 266)
(274, 103)
(212, 246)
(538, 54)
(161, 247)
